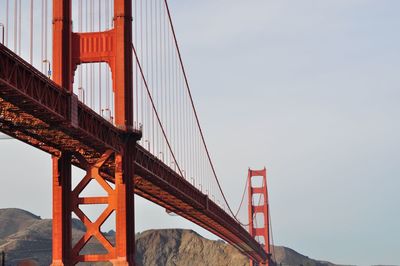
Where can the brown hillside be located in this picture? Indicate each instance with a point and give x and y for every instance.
(24, 236)
(14, 220)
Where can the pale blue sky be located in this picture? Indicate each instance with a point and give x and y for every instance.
(308, 88)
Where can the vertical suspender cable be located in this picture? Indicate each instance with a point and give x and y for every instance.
(176, 101)
(159, 71)
(92, 81)
(161, 86)
(2, 26)
(174, 97)
(7, 22)
(177, 114)
(156, 75)
(91, 65)
(162, 68)
(172, 78)
(31, 34)
(164, 65)
(141, 57)
(149, 73)
(158, 83)
(42, 37)
(187, 127)
(106, 18)
(178, 111)
(19, 27)
(147, 70)
(155, 87)
(152, 72)
(15, 24)
(192, 151)
(87, 87)
(107, 11)
(80, 68)
(136, 91)
(182, 115)
(45, 31)
(147, 59)
(165, 72)
(148, 110)
(170, 88)
(198, 160)
(100, 64)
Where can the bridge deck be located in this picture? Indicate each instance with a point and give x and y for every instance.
(37, 111)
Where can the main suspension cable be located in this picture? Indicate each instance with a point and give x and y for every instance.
(195, 113)
(155, 109)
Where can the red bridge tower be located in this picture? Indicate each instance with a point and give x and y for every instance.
(69, 50)
(258, 206)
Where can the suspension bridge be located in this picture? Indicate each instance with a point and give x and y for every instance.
(101, 85)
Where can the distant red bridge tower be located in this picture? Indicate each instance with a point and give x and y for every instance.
(258, 206)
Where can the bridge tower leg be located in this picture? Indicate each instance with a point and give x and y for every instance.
(69, 50)
(256, 206)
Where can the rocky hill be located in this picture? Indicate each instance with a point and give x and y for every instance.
(25, 236)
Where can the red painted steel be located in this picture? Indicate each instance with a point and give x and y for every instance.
(62, 235)
(35, 110)
(113, 202)
(92, 47)
(62, 31)
(69, 50)
(62, 75)
(112, 47)
(256, 206)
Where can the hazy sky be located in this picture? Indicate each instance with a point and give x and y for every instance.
(308, 88)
